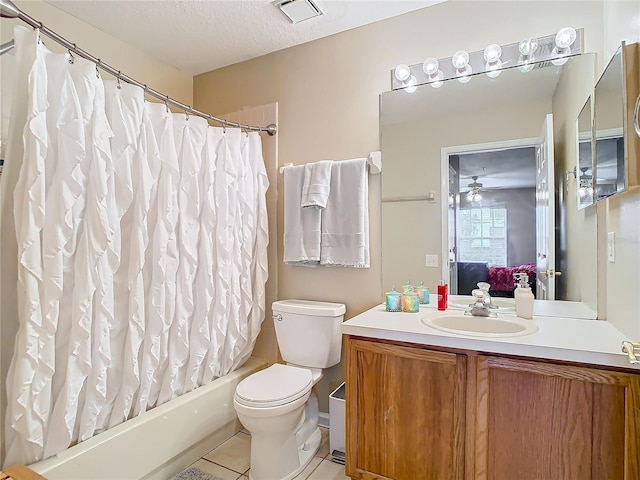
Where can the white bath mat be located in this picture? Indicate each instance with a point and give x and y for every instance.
(194, 473)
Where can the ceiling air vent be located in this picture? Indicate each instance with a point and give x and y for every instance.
(298, 10)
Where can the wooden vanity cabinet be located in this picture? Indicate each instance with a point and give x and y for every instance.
(416, 413)
(538, 420)
(405, 412)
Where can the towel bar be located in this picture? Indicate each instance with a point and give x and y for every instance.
(374, 160)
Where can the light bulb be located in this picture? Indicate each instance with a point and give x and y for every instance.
(411, 85)
(582, 192)
(437, 84)
(565, 37)
(402, 72)
(437, 77)
(469, 194)
(492, 56)
(494, 69)
(460, 59)
(525, 66)
(431, 66)
(464, 74)
(477, 197)
(528, 47)
(492, 53)
(561, 56)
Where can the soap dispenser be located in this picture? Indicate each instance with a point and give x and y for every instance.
(523, 297)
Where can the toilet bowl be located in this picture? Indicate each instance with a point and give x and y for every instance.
(277, 405)
(274, 405)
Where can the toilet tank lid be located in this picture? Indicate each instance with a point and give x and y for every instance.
(309, 307)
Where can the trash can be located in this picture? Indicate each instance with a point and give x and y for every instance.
(337, 424)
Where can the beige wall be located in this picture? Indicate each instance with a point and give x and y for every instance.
(327, 93)
(131, 61)
(581, 267)
(622, 22)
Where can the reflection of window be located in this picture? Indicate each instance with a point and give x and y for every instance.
(483, 235)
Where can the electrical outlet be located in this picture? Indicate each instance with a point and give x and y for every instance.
(431, 261)
(611, 246)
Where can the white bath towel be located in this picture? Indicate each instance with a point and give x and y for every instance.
(301, 225)
(317, 184)
(345, 221)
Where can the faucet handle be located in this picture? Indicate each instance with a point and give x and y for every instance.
(478, 296)
(484, 286)
(479, 307)
(633, 350)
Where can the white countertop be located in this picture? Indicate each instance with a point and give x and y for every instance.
(594, 342)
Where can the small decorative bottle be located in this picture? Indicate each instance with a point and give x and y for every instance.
(423, 294)
(393, 301)
(410, 302)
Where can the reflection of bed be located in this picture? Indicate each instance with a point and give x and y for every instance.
(500, 278)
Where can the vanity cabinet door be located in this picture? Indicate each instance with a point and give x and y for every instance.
(539, 420)
(405, 412)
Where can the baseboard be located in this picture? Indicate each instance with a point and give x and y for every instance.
(323, 419)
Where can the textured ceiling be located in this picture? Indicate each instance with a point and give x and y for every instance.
(199, 36)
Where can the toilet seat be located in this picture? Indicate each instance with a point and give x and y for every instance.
(274, 386)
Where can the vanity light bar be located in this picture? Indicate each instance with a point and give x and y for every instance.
(491, 60)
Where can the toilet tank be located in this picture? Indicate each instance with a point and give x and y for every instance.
(308, 332)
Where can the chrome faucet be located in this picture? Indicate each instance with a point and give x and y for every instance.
(480, 306)
(484, 286)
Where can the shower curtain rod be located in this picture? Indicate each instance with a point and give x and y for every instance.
(5, 47)
(9, 10)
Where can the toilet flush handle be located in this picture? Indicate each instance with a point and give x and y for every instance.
(277, 317)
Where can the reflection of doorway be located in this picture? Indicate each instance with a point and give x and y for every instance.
(492, 217)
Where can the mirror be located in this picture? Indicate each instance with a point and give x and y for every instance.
(609, 118)
(436, 140)
(584, 171)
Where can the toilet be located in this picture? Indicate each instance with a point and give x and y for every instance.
(276, 405)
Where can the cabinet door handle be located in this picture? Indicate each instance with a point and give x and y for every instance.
(636, 113)
(631, 349)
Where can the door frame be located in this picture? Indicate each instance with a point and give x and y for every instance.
(445, 152)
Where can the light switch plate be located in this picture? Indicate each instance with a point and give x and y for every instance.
(431, 261)
(611, 246)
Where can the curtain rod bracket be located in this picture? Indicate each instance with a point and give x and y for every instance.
(271, 129)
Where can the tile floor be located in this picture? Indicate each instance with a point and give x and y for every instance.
(230, 460)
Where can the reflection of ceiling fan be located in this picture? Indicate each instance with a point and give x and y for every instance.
(473, 195)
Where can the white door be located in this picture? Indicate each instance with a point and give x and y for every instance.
(453, 237)
(545, 214)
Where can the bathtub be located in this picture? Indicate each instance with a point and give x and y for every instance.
(160, 442)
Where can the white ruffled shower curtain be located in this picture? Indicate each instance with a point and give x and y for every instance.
(141, 251)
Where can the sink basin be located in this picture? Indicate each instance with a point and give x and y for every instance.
(480, 326)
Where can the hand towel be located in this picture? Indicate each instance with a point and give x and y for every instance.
(301, 225)
(317, 184)
(345, 220)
